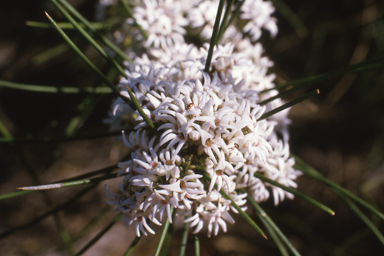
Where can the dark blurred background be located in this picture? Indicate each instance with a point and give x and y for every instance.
(339, 132)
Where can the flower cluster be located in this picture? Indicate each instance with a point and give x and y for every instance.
(209, 133)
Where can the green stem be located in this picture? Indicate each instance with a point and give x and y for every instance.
(163, 234)
(54, 210)
(89, 174)
(295, 192)
(66, 25)
(89, 26)
(196, 245)
(289, 104)
(291, 17)
(362, 216)
(86, 60)
(89, 38)
(305, 168)
(69, 183)
(101, 75)
(359, 67)
(54, 89)
(223, 23)
(4, 132)
(263, 215)
(58, 140)
(139, 109)
(184, 239)
(214, 35)
(132, 246)
(241, 212)
(128, 10)
(236, 13)
(99, 235)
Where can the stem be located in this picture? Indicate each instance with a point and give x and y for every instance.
(214, 35)
(223, 26)
(241, 212)
(163, 234)
(295, 192)
(99, 235)
(130, 14)
(54, 89)
(289, 104)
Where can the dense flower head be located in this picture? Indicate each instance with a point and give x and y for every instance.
(209, 135)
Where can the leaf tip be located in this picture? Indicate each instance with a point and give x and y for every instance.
(47, 14)
(266, 238)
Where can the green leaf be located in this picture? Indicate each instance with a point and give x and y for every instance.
(128, 10)
(291, 17)
(214, 35)
(196, 245)
(54, 89)
(89, 174)
(296, 193)
(163, 234)
(289, 104)
(99, 235)
(241, 212)
(66, 25)
(184, 239)
(132, 246)
(54, 210)
(90, 27)
(88, 37)
(223, 25)
(70, 183)
(271, 224)
(58, 140)
(363, 66)
(308, 170)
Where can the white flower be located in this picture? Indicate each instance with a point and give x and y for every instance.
(258, 13)
(163, 21)
(205, 123)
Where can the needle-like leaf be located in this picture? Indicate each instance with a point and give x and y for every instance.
(99, 235)
(196, 245)
(163, 234)
(214, 35)
(308, 170)
(66, 25)
(54, 210)
(54, 89)
(70, 183)
(57, 140)
(128, 10)
(263, 216)
(289, 104)
(223, 25)
(184, 239)
(295, 192)
(94, 30)
(89, 38)
(95, 69)
(132, 246)
(355, 68)
(241, 212)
